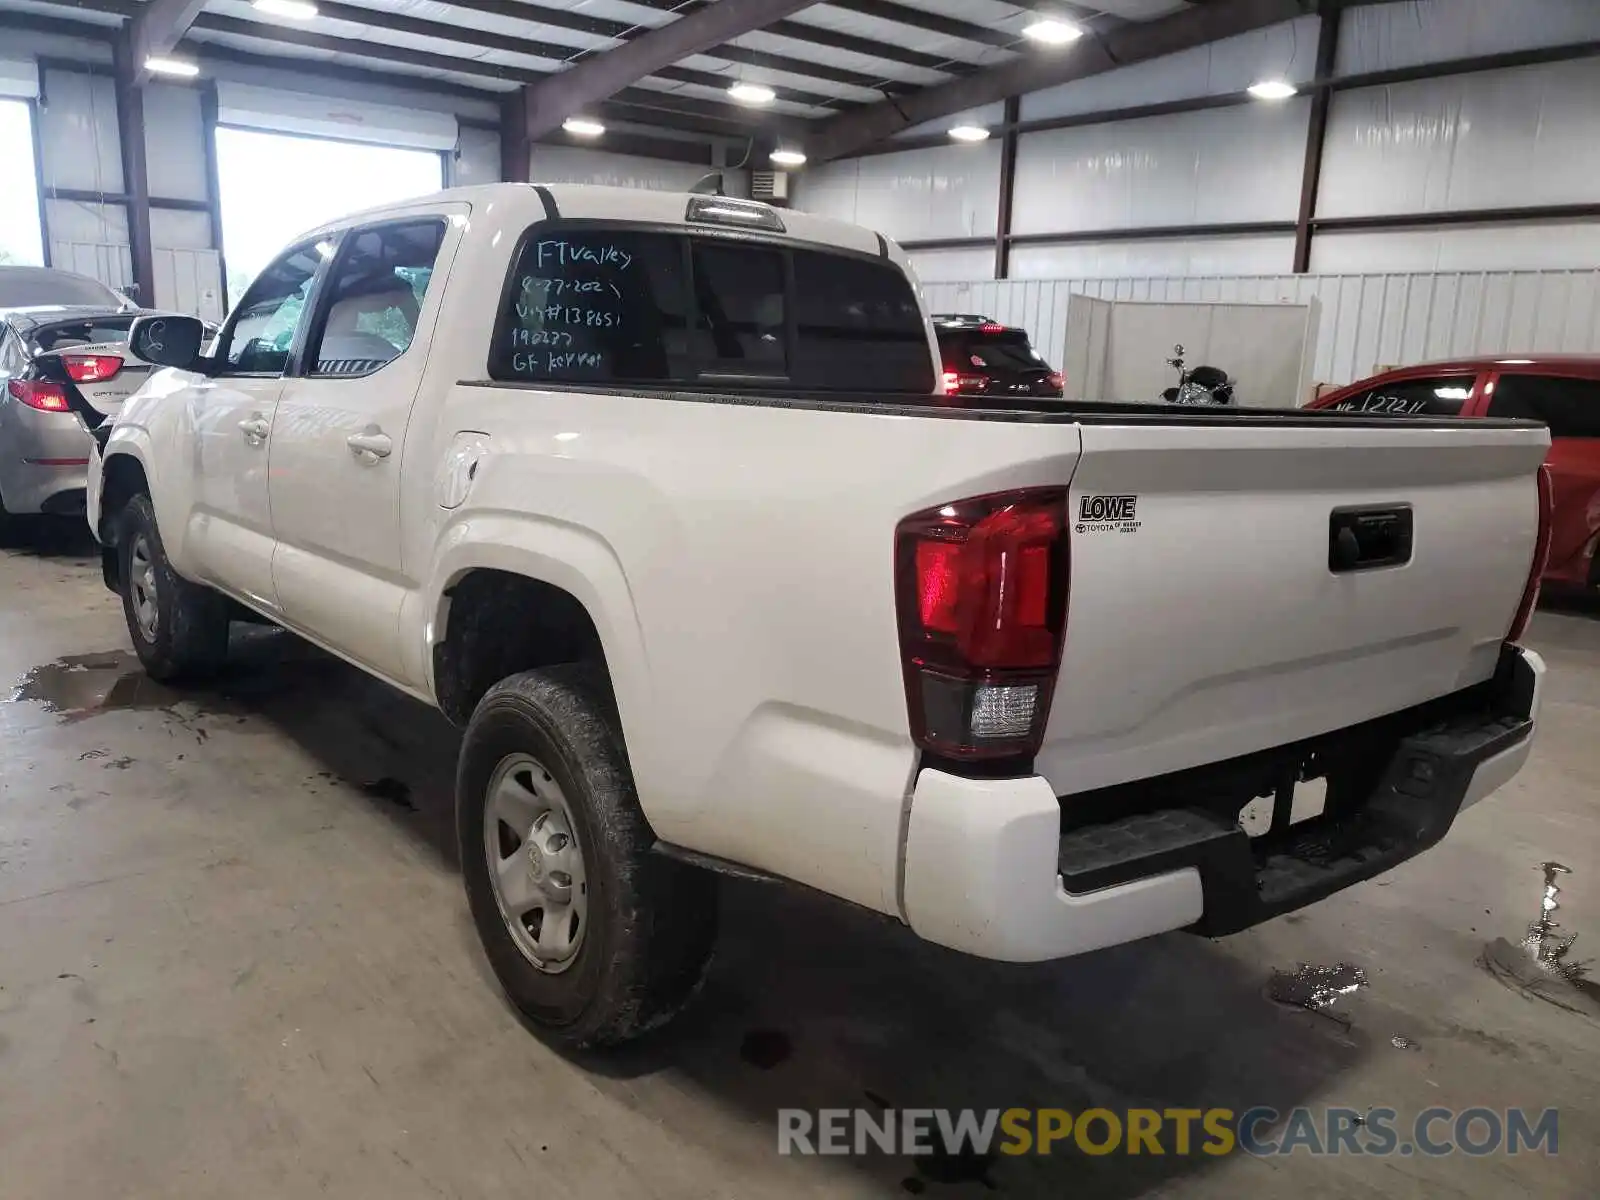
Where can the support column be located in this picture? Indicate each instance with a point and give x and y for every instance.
(515, 151)
(1008, 187)
(208, 131)
(1316, 132)
(135, 171)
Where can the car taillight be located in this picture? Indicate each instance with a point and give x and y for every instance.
(39, 393)
(1541, 558)
(961, 381)
(1058, 381)
(91, 368)
(991, 327)
(981, 590)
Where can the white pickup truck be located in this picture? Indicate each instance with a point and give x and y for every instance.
(658, 495)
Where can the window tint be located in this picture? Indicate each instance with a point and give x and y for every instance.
(1008, 351)
(375, 294)
(1571, 407)
(859, 326)
(263, 326)
(1442, 397)
(739, 293)
(615, 306)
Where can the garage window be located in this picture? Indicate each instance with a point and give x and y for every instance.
(588, 303)
(1571, 407)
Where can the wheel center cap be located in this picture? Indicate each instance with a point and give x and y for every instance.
(535, 862)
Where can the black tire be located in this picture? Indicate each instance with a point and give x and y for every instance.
(189, 639)
(650, 922)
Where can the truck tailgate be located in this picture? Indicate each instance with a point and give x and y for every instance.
(1207, 619)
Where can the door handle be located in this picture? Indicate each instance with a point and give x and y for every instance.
(369, 445)
(255, 429)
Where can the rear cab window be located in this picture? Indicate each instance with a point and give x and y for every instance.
(1568, 405)
(592, 302)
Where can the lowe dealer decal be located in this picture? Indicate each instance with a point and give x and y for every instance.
(1107, 514)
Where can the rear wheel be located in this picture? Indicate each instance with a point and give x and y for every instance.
(595, 938)
(179, 629)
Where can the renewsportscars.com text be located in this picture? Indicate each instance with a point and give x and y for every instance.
(1260, 1131)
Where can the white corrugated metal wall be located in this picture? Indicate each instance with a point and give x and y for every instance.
(81, 153)
(1368, 321)
(1513, 137)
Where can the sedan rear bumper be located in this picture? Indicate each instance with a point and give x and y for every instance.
(43, 460)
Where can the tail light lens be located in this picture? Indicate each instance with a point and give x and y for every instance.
(39, 393)
(981, 588)
(91, 368)
(1541, 558)
(961, 381)
(1058, 381)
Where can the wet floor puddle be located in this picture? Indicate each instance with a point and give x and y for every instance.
(1543, 967)
(83, 685)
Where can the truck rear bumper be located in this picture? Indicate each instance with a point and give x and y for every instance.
(1003, 869)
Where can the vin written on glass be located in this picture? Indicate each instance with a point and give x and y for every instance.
(567, 305)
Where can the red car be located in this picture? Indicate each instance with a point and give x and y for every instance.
(1562, 391)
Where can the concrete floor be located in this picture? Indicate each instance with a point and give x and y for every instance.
(235, 961)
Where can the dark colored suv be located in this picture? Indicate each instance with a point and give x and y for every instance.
(985, 358)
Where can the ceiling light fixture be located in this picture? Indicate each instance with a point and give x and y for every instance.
(583, 127)
(752, 93)
(1272, 89)
(969, 133)
(786, 157)
(295, 10)
(1049, 31)
(182, 68)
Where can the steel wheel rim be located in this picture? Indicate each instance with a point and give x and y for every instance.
(536, 865)
(142, 587)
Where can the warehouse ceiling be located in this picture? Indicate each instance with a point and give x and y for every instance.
(844, 75)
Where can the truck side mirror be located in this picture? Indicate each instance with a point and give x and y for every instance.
(168, 341)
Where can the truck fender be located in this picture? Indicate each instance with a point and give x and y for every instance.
(573, 559)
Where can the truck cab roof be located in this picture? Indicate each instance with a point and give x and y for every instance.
(523, 204)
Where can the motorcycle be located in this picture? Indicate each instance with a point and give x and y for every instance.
(1203, 385)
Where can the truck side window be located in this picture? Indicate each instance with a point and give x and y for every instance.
(1442, 397)
(1571, 407)
(375, 295)
(258, 338)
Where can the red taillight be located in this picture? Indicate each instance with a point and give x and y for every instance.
(91, 368)
(1058, 381)
(981, 586)
(39, 393)
(960, 381)
(991, 327)
(1541, 558)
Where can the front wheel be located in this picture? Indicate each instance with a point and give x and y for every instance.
(595, 938)
(179, 629)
